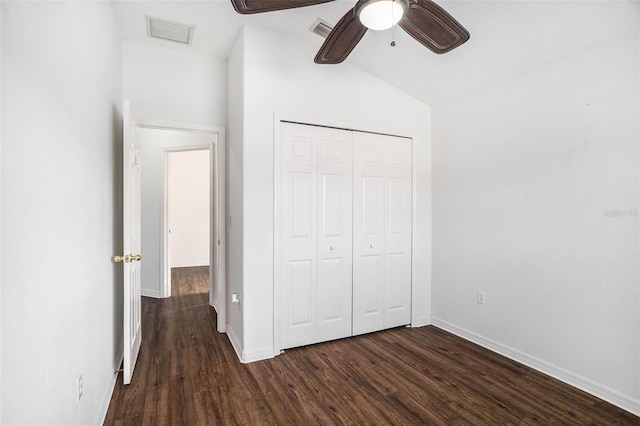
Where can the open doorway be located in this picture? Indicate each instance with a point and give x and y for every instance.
(160, 140)
(188, 210)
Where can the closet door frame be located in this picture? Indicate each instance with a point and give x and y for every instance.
(278, 118)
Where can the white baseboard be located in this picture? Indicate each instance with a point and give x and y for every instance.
(258, 355)
(247, 357)
(420, 322)
(106, 398)
(190, 264)
(150, 293)
(625, 402)
(235, 342)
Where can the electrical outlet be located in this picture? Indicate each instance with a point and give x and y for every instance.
(480, 297)
(79, 388)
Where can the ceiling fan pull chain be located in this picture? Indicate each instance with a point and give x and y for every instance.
(393, 28)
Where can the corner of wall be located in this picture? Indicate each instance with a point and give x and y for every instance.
(235, 342)
(235, 192)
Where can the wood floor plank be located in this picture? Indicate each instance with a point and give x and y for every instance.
(188, 374)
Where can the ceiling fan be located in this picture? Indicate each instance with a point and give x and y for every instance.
(424, 20)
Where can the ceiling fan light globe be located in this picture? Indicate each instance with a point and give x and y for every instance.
(380, 14)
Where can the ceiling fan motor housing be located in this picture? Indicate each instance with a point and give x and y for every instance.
(364, 4)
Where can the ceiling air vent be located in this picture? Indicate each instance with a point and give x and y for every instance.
(167, 30)
(321, 28)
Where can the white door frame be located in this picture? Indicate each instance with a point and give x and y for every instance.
(217, 237)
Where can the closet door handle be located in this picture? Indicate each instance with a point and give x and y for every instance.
(332, 248)
(371, 245)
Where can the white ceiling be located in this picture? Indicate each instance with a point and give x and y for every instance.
(507, 37)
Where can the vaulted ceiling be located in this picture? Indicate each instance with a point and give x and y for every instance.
(507, 37)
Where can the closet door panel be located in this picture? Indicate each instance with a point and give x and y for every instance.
(301, 275)
(334, 320)
(371, 292)
(298, 237)
(382, 232)
(334, 233)
(315, 241)
(397, 304)
(368, 234)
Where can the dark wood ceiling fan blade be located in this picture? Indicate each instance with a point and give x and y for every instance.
(258, 6)
(340, 42)
(432, 26)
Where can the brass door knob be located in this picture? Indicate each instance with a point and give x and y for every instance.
(127, 258)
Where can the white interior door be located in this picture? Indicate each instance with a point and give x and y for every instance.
(381, 232)
(334, 233)
(315, 211)
(131, 257)
(398, 227)
(368, 233)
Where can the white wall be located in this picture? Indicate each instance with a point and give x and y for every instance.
(188, 205)
(279, 76)
(527, 177)
(234, 194)
(165, 84)
(154, 146)
(61, 217)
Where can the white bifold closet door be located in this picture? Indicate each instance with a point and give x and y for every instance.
(315, 241)
(381, 232)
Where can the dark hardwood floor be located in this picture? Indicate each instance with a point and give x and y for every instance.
(188, 374)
